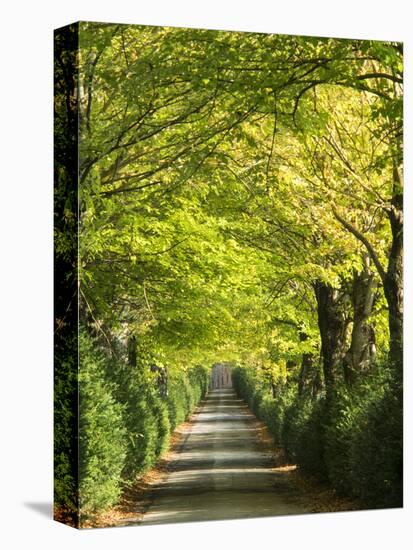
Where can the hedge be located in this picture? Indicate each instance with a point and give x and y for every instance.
(125, 424)
(355, 442)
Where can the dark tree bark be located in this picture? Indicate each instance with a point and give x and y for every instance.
(333, 325)
(393, 283)
(317, 382)
(307, 364)
(132, 356)
(66, 288)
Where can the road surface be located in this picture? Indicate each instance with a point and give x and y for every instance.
(221, 470)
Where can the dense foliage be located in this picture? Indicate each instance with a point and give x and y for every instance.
(241, 200)
(125, 421)
(102, 434)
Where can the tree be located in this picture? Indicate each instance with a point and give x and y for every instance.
(207, 159)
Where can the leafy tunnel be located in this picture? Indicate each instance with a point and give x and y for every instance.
(240, 203)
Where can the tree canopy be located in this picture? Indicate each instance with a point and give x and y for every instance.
(223, 175)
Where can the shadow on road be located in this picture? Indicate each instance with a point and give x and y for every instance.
(222, 470)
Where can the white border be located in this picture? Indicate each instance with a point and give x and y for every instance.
(26, 268)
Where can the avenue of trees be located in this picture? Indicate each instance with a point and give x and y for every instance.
(240, 199)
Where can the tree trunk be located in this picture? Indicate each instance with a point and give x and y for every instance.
(362, 349)
(307, 363)
(317, 382)
(392, 279)
(393, 284)
(332, 325)
(131, 348)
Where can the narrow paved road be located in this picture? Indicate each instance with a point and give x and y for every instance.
(221, 470)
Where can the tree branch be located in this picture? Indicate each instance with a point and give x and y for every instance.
(285, 322)
(367, 76)
(366, 243)
(128, 189)
(147, 303)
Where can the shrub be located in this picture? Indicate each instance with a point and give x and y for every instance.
(341, 425)
(272, 411)
(159, 409)
(376, 454)
(245, 384)
(65, 427)
(364, 442)
(178, 406)
(142, 429)
(256, 400)
(355, 441)
(145, 419)
(102, 436)
(185, 390)
(303, 434)
(199, 379)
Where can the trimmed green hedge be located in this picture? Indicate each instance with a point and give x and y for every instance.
(354, 442)
(65, 428)
(125, 423)
(102, 433)
(364, 445)
(303, 434)
(185, 390)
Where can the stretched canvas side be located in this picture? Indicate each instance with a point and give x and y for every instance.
(66, 408)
